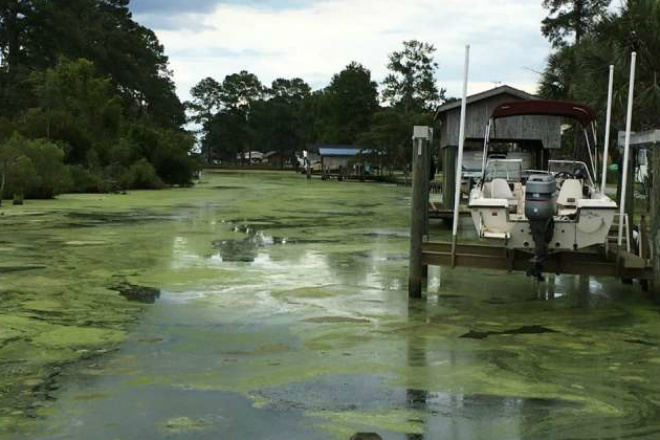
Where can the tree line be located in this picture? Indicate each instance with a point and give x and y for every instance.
(240, 114)
(87, 101)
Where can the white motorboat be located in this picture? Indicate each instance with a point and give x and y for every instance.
(542, 211)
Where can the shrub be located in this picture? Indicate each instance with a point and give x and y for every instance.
(141, 175)
(34, 168)
(85, 181)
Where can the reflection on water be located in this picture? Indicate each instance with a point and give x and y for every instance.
(281, 324)
(416, 398)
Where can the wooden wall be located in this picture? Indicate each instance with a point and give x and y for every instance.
(547, 129)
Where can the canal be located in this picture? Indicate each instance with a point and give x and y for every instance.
(283, 314)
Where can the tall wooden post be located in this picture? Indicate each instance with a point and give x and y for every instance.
(448, 177)
(417, 210)
(427, 186)
(630, 189)
(655, 218)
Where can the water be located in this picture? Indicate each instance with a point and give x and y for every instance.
(283, 315)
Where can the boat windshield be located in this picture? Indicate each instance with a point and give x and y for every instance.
(570, 169)
(509, 169)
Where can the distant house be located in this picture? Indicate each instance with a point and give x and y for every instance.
(277, 159)
(252, 156)
(343, 159)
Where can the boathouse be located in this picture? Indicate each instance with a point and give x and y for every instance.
(529, 138)
(343, 160)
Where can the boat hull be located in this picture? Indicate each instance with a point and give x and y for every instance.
(590, 225)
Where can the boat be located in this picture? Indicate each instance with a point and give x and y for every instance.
(542, 211)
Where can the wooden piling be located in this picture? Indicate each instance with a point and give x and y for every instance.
(418, 209)
(449, 177)
(427, 187)
(655, 219)
(630, 191)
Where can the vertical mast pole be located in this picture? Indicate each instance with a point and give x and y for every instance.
(484, 159)
(459, 160)
(626, 151)
(608, 124)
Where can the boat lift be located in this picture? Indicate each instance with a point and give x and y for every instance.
(620, 260)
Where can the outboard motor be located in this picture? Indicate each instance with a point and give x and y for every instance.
(540, 208)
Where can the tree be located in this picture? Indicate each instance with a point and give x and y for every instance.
(35, 34)
(287, 118)
(388, 138)
(558, 75)
(580, 72)
(75, 106)
(9, 154)
(346, 106)
(636, 27)
(238, 93)
(277, 122)
(411, 85)
(290, 90)
(206, 102)
(571, 18)
(240, 90)
(226, 136)
(241, 114)
(81, 74)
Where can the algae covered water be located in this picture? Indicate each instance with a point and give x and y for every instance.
(283, 314)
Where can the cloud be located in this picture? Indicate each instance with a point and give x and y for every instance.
(315, 39)
(204, 6)
(172, 6)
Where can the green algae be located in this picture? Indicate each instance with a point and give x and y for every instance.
(346, 423)
(320, 295)
(182, 425)
(337, 320)
(73, 338)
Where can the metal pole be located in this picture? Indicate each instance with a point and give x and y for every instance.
(626, 151)
(594, 167)
(459, 160)
(484, 159)
(595, 135)
(608, 124)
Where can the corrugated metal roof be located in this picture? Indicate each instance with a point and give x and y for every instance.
(341, 151)
(504, 89)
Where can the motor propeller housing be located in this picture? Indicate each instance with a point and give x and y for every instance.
(540, 209)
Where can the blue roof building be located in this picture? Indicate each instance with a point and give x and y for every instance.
(341, 150)
(343, 159)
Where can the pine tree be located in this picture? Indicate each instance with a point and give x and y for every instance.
(571, 18)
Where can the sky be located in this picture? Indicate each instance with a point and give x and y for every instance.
(314, 39)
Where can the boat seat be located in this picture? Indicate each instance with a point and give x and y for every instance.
(499, 189)
(570, 193)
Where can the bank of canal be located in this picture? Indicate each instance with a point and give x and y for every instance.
(283, 314)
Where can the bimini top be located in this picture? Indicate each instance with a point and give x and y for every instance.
(582, 113)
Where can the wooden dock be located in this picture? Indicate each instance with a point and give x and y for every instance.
(439, 212)
(620, 265)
